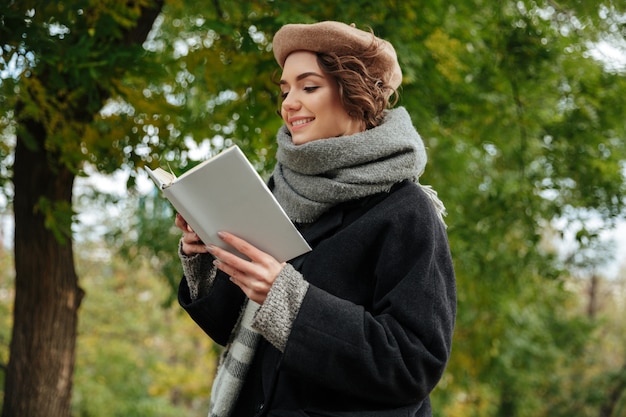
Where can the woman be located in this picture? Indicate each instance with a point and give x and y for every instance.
(362, 324)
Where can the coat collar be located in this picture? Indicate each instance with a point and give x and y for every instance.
(338, 217)
(325, 226)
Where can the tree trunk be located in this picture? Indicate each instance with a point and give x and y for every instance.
(594, 287)
(47, 296)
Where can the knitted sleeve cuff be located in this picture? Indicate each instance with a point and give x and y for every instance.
(199, 272)
(276, 315)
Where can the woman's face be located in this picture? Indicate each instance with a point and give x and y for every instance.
(311, 106)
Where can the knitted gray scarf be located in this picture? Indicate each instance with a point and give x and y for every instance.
(311, 178)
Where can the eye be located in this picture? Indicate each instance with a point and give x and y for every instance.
(283, 94)
(310, 89)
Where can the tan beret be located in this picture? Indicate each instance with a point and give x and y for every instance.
(341, 39)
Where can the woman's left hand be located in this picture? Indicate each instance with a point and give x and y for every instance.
(255, 276)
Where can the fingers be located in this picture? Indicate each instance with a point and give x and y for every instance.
(243, 246)
(190, 249)
(253, 280)
(181, 223)
(254, 276)
(191, 242)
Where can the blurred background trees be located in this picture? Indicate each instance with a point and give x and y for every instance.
(524, 123)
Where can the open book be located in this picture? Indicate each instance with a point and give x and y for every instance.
(225, 193)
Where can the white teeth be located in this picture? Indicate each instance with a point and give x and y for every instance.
(301, 122)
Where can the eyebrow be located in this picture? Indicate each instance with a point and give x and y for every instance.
(303, 76)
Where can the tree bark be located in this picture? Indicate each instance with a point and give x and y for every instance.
(47, 296)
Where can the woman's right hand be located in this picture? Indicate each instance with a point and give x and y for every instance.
(190, 240)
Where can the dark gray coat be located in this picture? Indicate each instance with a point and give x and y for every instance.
(374, 332)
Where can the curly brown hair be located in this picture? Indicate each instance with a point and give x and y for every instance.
(364, 96)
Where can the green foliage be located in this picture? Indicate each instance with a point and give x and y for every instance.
(145, 233)
(136, 358)
(69, 60)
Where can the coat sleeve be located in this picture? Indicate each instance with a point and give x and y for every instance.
(217, 311)
(393, 348)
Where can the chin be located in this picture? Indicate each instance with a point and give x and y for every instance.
(300, 139)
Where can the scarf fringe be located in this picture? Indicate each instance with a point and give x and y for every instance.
(440, 208)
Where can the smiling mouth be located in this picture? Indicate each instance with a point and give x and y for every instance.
(301, 122)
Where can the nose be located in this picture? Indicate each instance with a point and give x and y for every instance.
(291, 102)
